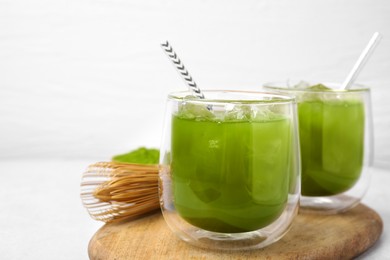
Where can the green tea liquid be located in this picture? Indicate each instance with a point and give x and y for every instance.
(332, 143)
(230, 176)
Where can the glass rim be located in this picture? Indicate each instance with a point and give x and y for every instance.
(274, 97)
(284, 85)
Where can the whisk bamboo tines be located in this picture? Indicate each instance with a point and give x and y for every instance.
(113, 191)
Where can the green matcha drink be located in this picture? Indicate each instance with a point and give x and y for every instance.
(230, 175)
(332, 136)
(229, 168)
(332, 143)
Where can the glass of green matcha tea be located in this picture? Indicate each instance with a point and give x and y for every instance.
(335, 132)
(230, 168)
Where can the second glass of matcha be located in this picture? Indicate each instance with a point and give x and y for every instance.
(230, 168)
(336, 143)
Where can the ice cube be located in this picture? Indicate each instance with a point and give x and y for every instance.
(238, 112)
(194, 110)
(320, 87)
(316, 92)
(265, 113)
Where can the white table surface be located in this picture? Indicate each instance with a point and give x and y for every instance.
(42, 216)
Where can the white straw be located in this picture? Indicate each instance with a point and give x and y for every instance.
(182, 70)
(361, 61)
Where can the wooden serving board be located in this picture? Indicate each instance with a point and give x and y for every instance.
(311, 236)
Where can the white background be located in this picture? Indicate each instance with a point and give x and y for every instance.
(83, 80)
(87, 79)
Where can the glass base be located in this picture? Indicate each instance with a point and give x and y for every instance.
(232, 241)
(327, 205)
(235, 241)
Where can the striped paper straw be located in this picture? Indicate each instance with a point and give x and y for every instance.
(182, 70)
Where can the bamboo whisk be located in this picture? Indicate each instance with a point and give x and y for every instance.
(114, 191)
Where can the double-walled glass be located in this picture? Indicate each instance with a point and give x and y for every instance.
(336, 144)
(230, 168)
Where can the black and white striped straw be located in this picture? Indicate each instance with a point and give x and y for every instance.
(182, 70)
